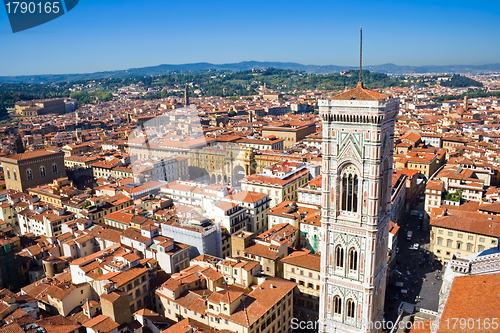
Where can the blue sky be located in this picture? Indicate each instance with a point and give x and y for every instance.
(110, 35)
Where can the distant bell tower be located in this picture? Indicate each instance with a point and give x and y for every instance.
(186, 95)
(358, 140)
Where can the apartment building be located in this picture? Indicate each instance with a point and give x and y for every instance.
(425, 163)
(270, 143)
(267, 248)
(97, 208)
(55, 193)
(230, 216)
(434, 191)
(256, 205)
(204, 236)
(291, 132)
(194, 293)
(306, 218)
(164, 169)
(43, 219)
(32, 168)
(460, 231)
(463, 181)
(58, 297)
(304, 268)
(114, 269)
(194, 193)
(280, 181)
(311, 192)
(238, 271)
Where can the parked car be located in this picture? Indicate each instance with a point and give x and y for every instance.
(414, 247)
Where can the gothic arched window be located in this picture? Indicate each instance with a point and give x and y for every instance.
(353, 259)
(349, 188)
(15, 174)
(8, 174)
(29, 174)
(54, 169)
(337, 305)
(339, 256)
(350, 308)
(42, 171)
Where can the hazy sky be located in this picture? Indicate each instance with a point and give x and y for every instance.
(110, 35)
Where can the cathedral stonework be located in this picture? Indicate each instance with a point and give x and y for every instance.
(358, 137)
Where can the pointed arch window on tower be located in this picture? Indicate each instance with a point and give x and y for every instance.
(339, 257)
(337, 305)
(353, 260)
(350, 308)
(349, 190)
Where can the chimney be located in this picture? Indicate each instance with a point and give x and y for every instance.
(88, 309)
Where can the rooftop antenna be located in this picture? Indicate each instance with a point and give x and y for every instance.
(360, 83)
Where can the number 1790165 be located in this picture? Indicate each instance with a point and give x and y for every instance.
(33, 7)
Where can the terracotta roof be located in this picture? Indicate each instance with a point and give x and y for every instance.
(30, 154)
(306, 260)
(361, 94)
(472, 222)
(437, 185)
(12, 328)
(247, 196)
(101, 324)
(476, 297)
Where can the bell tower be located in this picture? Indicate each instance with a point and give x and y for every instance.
(358, 140)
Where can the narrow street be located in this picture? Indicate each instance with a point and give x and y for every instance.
(415, 279)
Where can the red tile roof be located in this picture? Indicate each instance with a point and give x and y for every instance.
(476, 297)
(360, 93)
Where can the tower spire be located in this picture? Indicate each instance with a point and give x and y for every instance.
(360, 83)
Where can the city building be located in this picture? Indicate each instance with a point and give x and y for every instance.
(304, 269)
(434, 192)
(303, 217)
(456, 230)
(202, 235)
(280, 181)
(267, 248)
(271, 143)
(291, 132)
(43, 219)
(197, 293)
(311, 193)
(32, 168)
(256, 205)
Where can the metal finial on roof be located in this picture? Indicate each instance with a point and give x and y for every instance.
(360, 83)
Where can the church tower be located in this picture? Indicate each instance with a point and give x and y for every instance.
(186, 95)
(358, 137)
